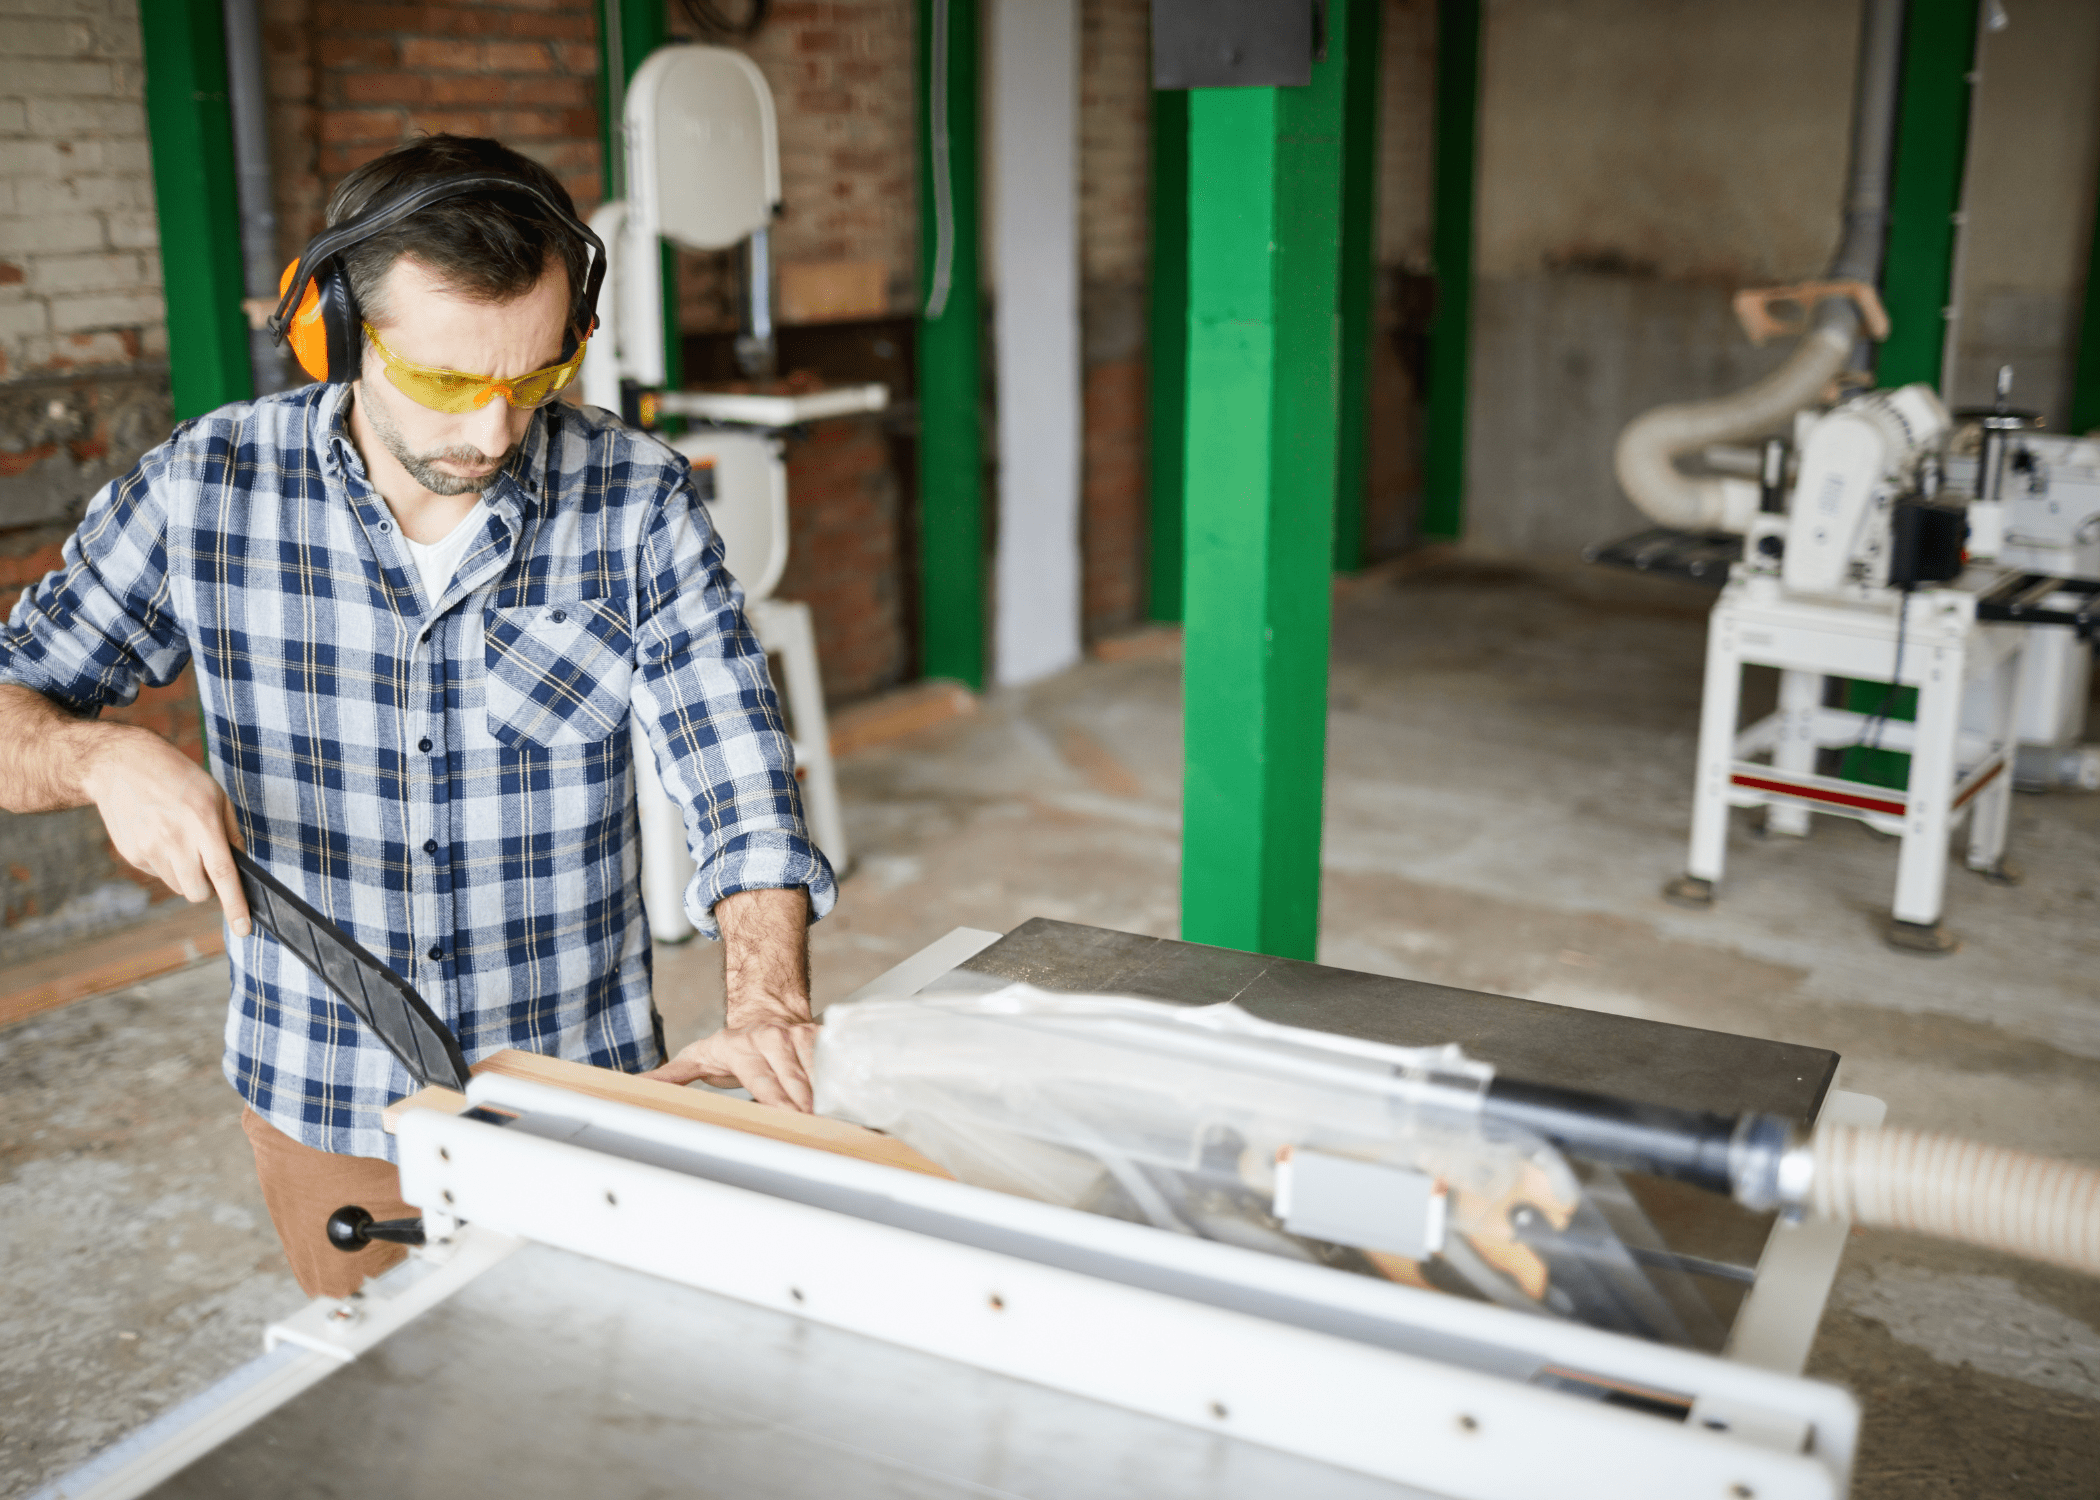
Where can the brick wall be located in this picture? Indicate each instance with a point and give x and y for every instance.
(845, 552)
(79, 280)
(348, 81)
(83, 384)
(841, 72)
(79, 269)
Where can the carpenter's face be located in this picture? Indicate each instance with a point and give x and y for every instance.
(429, 324)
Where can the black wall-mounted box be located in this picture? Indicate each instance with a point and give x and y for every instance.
(1218, 44)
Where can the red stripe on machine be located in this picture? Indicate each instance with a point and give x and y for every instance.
(1978, 785)
(1819, 794)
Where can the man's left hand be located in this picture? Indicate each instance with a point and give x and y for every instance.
(768, 1044)
(772, 1055)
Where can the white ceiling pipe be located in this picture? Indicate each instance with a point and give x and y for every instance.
(1645, 459)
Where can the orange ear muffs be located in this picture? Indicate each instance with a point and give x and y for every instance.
(307, 333)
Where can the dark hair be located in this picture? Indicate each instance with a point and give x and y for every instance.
(489, 245)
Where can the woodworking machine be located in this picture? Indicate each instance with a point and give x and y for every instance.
(626, 1288)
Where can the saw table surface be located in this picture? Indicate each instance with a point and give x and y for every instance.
(557, 1377)
(1651, 1061)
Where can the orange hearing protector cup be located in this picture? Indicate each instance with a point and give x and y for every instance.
(306, 332)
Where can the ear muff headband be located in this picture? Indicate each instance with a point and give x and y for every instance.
(318, 315)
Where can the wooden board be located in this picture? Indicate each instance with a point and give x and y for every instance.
(444, 1101)
(814, 1131)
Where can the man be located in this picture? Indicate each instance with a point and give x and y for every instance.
(419, 609)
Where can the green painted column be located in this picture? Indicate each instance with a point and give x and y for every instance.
(1359, 281)
(2085, 389)
(1451, 326)
(1932, 142)
(196, 192)
(950, 382)
(1167, 350)
(1265, 200)
(629, 30)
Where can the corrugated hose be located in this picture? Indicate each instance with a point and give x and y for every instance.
(2014, 1201)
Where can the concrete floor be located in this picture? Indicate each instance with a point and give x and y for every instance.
(1508, 788)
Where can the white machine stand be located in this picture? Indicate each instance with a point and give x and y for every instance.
(1952, 773)
(1840, 587)
(703, 157)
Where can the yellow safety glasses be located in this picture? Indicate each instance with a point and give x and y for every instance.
(449, 390)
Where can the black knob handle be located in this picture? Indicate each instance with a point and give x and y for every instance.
(350, 1229)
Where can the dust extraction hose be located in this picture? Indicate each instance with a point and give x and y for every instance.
(1940, 1185)
(1645, 458)
(2002, 1199)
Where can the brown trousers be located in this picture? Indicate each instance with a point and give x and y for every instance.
(301, 1187)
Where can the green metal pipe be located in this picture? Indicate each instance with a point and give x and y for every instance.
(1265, 205)
(1167, 351)
(1451, 326)
(950, 357)
(2085, 389)
(1932, 142)
(1359, 282)
(196, 188)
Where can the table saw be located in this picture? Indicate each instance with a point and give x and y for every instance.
(620, 1300)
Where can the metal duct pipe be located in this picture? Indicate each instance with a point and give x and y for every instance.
(250, 101)
(1645, 460)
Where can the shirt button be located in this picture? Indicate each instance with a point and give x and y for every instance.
(436, 952)
(423, 743)
(560, 615)
(386, 526)
(430, 846)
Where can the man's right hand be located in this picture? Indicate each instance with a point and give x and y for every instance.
(166, 816)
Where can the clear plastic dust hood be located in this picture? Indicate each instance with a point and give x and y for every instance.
(1207, 1121)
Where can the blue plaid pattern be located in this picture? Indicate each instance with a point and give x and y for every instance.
(450, 780)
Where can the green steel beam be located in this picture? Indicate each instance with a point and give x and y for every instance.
(1451, 326)
(630, 30)
(2085, 390)
(196, 190)
(1917, 275)
(1359, 282)
(1932, 141)
(950, 384)
(1167, 349)
(1265, 207)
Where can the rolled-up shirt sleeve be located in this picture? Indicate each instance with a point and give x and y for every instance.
(91, 632)
(705, 698)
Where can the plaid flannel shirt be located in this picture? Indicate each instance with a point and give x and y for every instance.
(450, 780)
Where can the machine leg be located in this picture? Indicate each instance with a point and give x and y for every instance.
(1719, 706)
(1800, 695)
(1921, 870)
(1992, 812)
(784, 628)
(667, 863)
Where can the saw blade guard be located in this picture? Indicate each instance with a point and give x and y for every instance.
(1208, 1121)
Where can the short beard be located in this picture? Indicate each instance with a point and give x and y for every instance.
(422, 467)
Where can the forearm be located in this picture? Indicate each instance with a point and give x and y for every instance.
(765, 940)
(45, 752)
(768, 1042)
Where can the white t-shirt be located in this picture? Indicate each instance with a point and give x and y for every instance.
(437, 561)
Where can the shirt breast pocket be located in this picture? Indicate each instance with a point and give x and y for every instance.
(558, 672)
